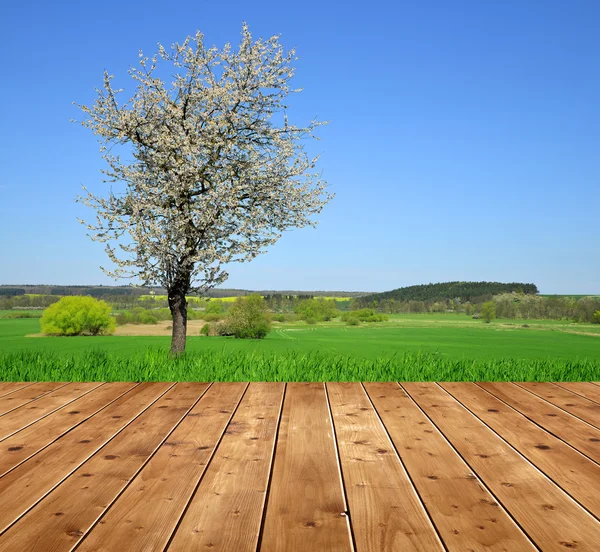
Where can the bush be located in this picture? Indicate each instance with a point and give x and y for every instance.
(221, 328)
(214, 307)
(211, 316)
(596, 317)
(146, 317)
(364, 315)
(248, 318)
(321, 310)
(488, 311)
(311, 320)
(352, 320)
(204, 330)
(77, 316)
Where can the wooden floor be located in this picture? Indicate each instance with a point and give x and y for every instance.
(299, 466)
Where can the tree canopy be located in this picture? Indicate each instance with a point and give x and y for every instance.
(217, 171)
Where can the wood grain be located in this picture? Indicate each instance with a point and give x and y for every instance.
(306, 508)
(31, 480)
(385, 510)
(26, 395)
(69, 511)
(563, 425)
(147, 513)
(226, 510)
(584, 409)
(547, 514)
(574, 473)
(585, 389)
(26, 415)
(22, 445)
(7, 387)
(466, 514)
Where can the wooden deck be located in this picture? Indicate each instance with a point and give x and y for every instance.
(299, 466)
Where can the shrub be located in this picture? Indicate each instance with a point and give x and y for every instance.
(204, 330)
(124, 318)
(488, 311)
(364, 315)
(596, 317)
(211, 316)
(352, 321)
(77, 316)
(311, 320)
(214, 307)
(248, 318)
(146, 317)
(321, 310)
(279, 317)
(221, 328)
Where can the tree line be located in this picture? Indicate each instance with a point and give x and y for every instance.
(463, 291)
(508, 305)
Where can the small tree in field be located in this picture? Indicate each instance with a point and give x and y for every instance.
(77, 316)
(248, 317)
(217, 173)
(488, 311)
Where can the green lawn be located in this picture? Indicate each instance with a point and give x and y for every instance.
(407, 347)
(456, 337)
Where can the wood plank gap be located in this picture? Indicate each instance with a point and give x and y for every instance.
(264, 511)
(187, 506)
(57, 408)
(405, 469)
(226, 510)
(63, 477)
(19, 385)
(473, 471)
(522, 455)
(595, 425)
(305, 507)
(132, 477)
(548, 430)
(85, 542)
(17, 440)
(568, 385)
(50, 386)
(340, 472)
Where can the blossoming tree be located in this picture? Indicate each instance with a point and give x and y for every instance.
(215, 171)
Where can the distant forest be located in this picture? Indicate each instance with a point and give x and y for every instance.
(473, 292)
(136, 291)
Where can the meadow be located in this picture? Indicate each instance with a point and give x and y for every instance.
(422, 347)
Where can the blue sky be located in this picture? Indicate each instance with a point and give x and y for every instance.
(464, 139)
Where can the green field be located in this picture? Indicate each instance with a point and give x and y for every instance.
(443, 346)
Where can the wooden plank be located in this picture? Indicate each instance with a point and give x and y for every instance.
(61, 518)
(33, 479)
(584, 409)
(466, 514)
(27, 442)
(26, 415)
(563, 425)
(8, 387)
(575, 473)
(30, 393)
(386, 512)
(306, 509)
(585, 389)
(226, 510)
(147, 513)
(547, 514)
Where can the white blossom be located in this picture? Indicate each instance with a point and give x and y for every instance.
(213, 178)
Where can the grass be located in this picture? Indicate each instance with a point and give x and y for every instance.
(155, 365)
(435, 347)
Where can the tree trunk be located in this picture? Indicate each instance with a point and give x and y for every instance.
(178, 307)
